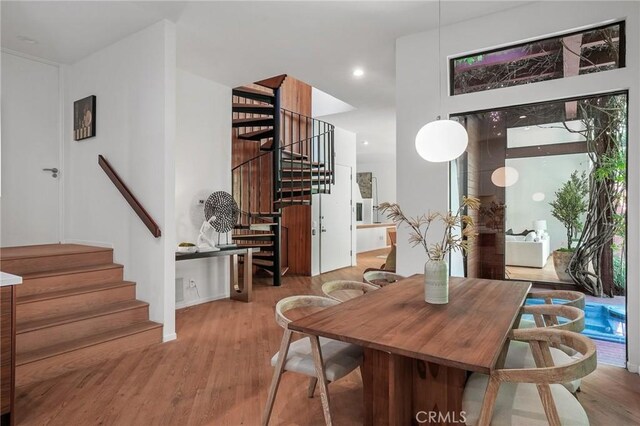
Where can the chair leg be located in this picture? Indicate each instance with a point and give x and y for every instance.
(277, 374)
(312, 386)
(324, 391)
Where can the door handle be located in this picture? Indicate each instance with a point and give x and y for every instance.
(54, 172)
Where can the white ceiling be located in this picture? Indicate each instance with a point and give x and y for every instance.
(237, 42)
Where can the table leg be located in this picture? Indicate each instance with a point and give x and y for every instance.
(396, 389)
(236, 292)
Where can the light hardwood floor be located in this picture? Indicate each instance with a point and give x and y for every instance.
(218, 373)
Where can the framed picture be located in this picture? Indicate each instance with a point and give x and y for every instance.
(84, 118)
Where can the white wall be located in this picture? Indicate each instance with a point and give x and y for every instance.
(422, 186)
(345, 149)
(203, 165)
(385, 173)
(134, 82)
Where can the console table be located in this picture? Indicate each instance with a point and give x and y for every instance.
(236, 291)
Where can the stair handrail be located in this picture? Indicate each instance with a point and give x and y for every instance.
(128, 195)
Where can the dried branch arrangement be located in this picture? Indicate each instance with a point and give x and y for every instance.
(420, 225)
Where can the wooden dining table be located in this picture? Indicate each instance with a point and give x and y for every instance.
(417, 356)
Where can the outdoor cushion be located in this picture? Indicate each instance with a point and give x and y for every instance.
(519, 404)
(339, 358)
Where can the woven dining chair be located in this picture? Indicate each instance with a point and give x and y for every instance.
(519, 355)
(381, 278)
(551, 297)
(531, 396)
(323, 360)
(342, 291)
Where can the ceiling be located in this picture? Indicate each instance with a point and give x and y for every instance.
(237, 42)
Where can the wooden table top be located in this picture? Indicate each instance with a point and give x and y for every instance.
(466, 333)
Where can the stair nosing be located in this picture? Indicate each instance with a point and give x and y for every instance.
(93, 340)
(39, 297)
(108, 309)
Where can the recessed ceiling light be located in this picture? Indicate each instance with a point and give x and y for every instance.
(365, 142)
(26, 39)
(523, 116)
(358, 72)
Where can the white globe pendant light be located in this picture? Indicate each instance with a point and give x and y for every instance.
(441, 140)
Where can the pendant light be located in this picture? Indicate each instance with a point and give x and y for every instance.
(441, 140)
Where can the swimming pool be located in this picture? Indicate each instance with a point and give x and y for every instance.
(601, 322)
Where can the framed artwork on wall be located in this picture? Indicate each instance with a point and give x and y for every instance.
(84, 118)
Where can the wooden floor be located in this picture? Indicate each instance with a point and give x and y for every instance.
(218, 373)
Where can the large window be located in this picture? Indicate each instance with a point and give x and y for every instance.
(584, 52)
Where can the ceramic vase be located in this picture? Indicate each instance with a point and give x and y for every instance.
(436, 282)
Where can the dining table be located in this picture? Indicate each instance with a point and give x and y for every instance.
(417, 356)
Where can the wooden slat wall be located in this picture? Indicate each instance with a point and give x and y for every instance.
(296, 96)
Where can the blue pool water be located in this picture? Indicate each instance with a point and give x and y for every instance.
(602, 322)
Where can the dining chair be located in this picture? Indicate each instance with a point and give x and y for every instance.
(323, 360)
(551, 297)
(342, 291)
(519, 354)
(531, 396)
(380, 278)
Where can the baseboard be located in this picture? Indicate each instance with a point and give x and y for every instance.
(182, 305)
(88, 243)
(169, 337)
(633, 368)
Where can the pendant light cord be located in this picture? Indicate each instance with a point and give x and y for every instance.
(439, 57)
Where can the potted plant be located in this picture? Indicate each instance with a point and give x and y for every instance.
(436, 269)
(569, 205)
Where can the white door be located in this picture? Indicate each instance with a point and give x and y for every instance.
(335, 222)
(30, 212)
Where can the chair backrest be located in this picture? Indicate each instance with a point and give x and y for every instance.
(547, 316)
(545, 373)
(330, 287)
(381, 278)
(568, 297)
(301, 301)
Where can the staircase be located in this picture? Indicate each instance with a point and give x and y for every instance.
(73, 309)
(292, 160)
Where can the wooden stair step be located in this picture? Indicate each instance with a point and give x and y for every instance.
(42, 282)
(295, 155)
(257, 135)
(252, 122)
(255, 94)
(294, 189)
(267, 145)
(253, 236)
(259, 262)
(50, 257)
(272, 82)
(253, 108)
(291, 202)
(304, 171)
(255, 244)
(293, 163)
(54, 303)
(265, 214)
(38, 333)
(52, 361)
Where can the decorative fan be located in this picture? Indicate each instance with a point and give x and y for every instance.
(221, 213)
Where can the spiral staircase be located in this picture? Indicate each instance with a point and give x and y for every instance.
(290, 158)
